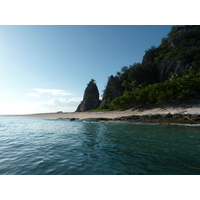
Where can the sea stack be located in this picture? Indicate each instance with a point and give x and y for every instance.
(90, 99)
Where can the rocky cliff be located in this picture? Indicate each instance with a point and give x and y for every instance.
(90, 99)
(113, 89)
(177, 54)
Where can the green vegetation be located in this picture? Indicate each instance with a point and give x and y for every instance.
(137, 74)
(183, 88)
(185, 45)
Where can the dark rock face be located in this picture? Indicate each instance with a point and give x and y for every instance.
(166, 67)
(181, 67)
(113, 89)
(90, 99)
(174, 41)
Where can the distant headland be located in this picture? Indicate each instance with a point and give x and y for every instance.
(168, 74)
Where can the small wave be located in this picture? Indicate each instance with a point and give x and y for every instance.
(38, 146)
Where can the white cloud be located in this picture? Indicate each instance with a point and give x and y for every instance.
(51, 105)
(53, 92)
(60, 102)
(34, 95)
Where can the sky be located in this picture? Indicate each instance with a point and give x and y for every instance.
(47, 68)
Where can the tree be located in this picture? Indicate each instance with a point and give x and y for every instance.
(133, 85)
(173, 30)
(152, 48)
(93, 81)
(124, 69)
(129, 85)
(163, 40)
(125, 84)
(118, 74)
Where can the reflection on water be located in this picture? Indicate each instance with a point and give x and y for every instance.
(38, 146)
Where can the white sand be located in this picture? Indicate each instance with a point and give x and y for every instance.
(187, 109)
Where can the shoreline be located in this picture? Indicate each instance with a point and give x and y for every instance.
(174, 113)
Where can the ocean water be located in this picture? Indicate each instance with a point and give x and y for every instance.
(31, 146)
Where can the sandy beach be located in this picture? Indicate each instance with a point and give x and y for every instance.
(140, 110)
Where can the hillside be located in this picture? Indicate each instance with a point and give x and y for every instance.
(167, 73)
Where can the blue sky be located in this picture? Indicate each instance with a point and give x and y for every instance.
(47, 68)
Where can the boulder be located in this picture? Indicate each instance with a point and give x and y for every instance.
(156, 116)
(169, 115)
(178, 116)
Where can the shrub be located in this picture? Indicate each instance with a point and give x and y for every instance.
(183, 88)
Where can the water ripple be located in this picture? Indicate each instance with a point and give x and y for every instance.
(38, 146)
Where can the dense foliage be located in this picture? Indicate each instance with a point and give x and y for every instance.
(183, 88)
(138, 73)
(185, 42)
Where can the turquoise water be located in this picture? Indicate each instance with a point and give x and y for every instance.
(46, 146)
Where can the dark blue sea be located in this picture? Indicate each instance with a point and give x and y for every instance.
(32, 146)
